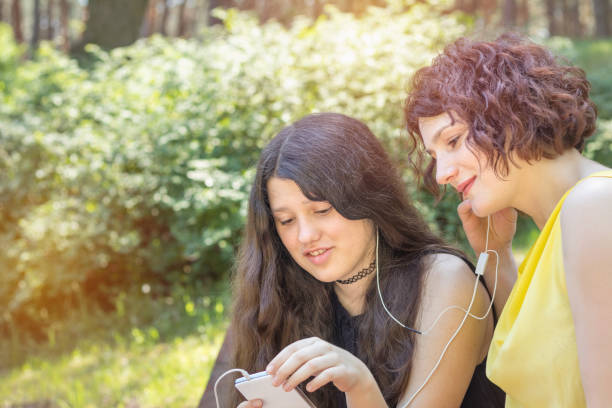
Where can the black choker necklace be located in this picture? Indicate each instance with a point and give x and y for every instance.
(359, 275)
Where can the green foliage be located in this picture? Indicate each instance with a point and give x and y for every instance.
(599, 147)
(140, 355)
(594, 57)
(136, 168)
(10, 53)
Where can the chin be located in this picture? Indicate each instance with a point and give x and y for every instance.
(484, 209)
(322, 277)
(480, 210)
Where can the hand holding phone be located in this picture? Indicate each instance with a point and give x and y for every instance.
(259, 386)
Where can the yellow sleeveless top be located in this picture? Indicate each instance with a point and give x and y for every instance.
(533, 355)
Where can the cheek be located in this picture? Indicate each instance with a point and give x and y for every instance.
(472, 157)
(491, 181)
(286, 239)
(362, 235)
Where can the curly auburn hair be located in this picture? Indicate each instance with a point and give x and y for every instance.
(517, 98)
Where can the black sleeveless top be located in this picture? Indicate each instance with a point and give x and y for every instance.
(481, 392)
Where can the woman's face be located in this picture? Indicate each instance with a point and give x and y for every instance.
(466, 170)
(318, 238)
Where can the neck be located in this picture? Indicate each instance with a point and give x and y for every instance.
(544, 182)
(352, 296)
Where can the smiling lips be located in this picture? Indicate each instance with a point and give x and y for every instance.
(464, 188)
(318, 255)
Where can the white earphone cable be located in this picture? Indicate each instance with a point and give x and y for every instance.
(467, 312)
(233, 370)
(380, 293)
(424, 332)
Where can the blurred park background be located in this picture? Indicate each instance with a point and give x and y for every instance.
(128, 134)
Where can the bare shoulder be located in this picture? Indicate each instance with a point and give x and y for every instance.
(448, 277)
(591, 195)
(450, 285)
(586, 221)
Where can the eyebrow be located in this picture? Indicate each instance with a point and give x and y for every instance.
(281, 209)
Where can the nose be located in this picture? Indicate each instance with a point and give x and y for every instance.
(308, 232)
(445, 171)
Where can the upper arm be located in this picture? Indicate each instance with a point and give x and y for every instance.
(586, 223)
(449, 282)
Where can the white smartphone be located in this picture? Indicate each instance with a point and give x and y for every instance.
(259, 386)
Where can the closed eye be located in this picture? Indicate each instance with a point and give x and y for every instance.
(325, 211)
(456, 139)
(453, 142)
(285, 222)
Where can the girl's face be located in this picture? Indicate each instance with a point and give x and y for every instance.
(466, 170)
(318, 238)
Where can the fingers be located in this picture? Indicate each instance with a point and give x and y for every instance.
(316, 358)
(509, 215)
(467, 216)
(464, 209)
(251, 404)
(305, 362)
(502, 227)
(323, 378)
(311, 368)
(285, 353)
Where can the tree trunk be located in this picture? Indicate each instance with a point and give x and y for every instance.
(601, 9)
(50, 20)
(150, 20)
(213, 4)
(551, 15)
(35, 25)
(201, 16)
(564, 28)
(523, 13)
(164, 22)
(16, 17)
(113, 23)
(262, 7)
(467, 6)
(571, 18)
(1, 10)
(182, 20)
(317, 8)
(509, 14)
(64, 19)
(488, 9)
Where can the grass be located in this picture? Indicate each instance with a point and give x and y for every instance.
(163, 360)
(170, 374)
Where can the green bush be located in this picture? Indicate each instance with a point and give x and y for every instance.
(594, 57)
(135, 168)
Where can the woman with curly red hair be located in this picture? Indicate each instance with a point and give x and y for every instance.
(504, 123)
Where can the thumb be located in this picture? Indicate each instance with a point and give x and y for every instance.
(464, 209)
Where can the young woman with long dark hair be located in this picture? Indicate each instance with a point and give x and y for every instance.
(306, 301)
(504, 123)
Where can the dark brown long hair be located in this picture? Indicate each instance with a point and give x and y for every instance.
(517, 98)
(335, 158)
